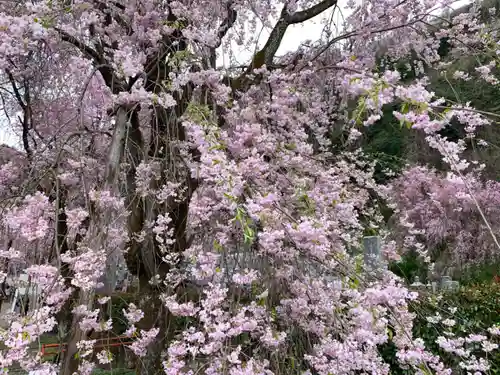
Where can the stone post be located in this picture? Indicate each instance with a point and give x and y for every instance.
(374, 263)
(434, 286)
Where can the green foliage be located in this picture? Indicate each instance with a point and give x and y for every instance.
(477, 309)
(406, 69)
(444, 47)
(480, 94)
(119, 302)
(409, 266)
(479, 274)
(384, 142)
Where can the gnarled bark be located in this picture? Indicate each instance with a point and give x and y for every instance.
(95, 236)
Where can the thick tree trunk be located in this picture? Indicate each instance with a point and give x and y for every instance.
(155, 316)
(145, 258)
(96, 237)
(71, 360)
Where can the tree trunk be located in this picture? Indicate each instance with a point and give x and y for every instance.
(96, 237)
(155, 316)
(71, 360)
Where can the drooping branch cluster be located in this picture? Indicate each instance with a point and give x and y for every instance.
(223, 196)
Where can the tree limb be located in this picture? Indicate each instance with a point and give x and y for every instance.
(312, 12)
(266, 55)
(16, 90)
(227, 23)
(25, 106)
(105, 8)
(86, 50)
(113, 82)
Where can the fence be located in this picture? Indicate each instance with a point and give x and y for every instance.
(107, 342)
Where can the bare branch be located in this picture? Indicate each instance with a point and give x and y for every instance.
(26, 113)
(115, 84)
(227, 23)
(26, 144)
(16, 90)
(106, 9)
(312, 12)
(267, 53)
(88, 51)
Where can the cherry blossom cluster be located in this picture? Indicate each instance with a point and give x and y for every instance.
(227, 185)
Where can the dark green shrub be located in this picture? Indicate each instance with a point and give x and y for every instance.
(483, 273)
(477, 309)
(411, 265)
(114, 309)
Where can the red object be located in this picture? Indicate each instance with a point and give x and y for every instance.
(496, 278)
(107, 342)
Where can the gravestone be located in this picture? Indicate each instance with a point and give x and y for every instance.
(417, 284)
(372, 252)
(373, 260)
(20, 293)
(454, 286)
(434, 287)
(446, 282)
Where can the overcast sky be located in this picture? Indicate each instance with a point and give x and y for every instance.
(295, 35)
(6, 136)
